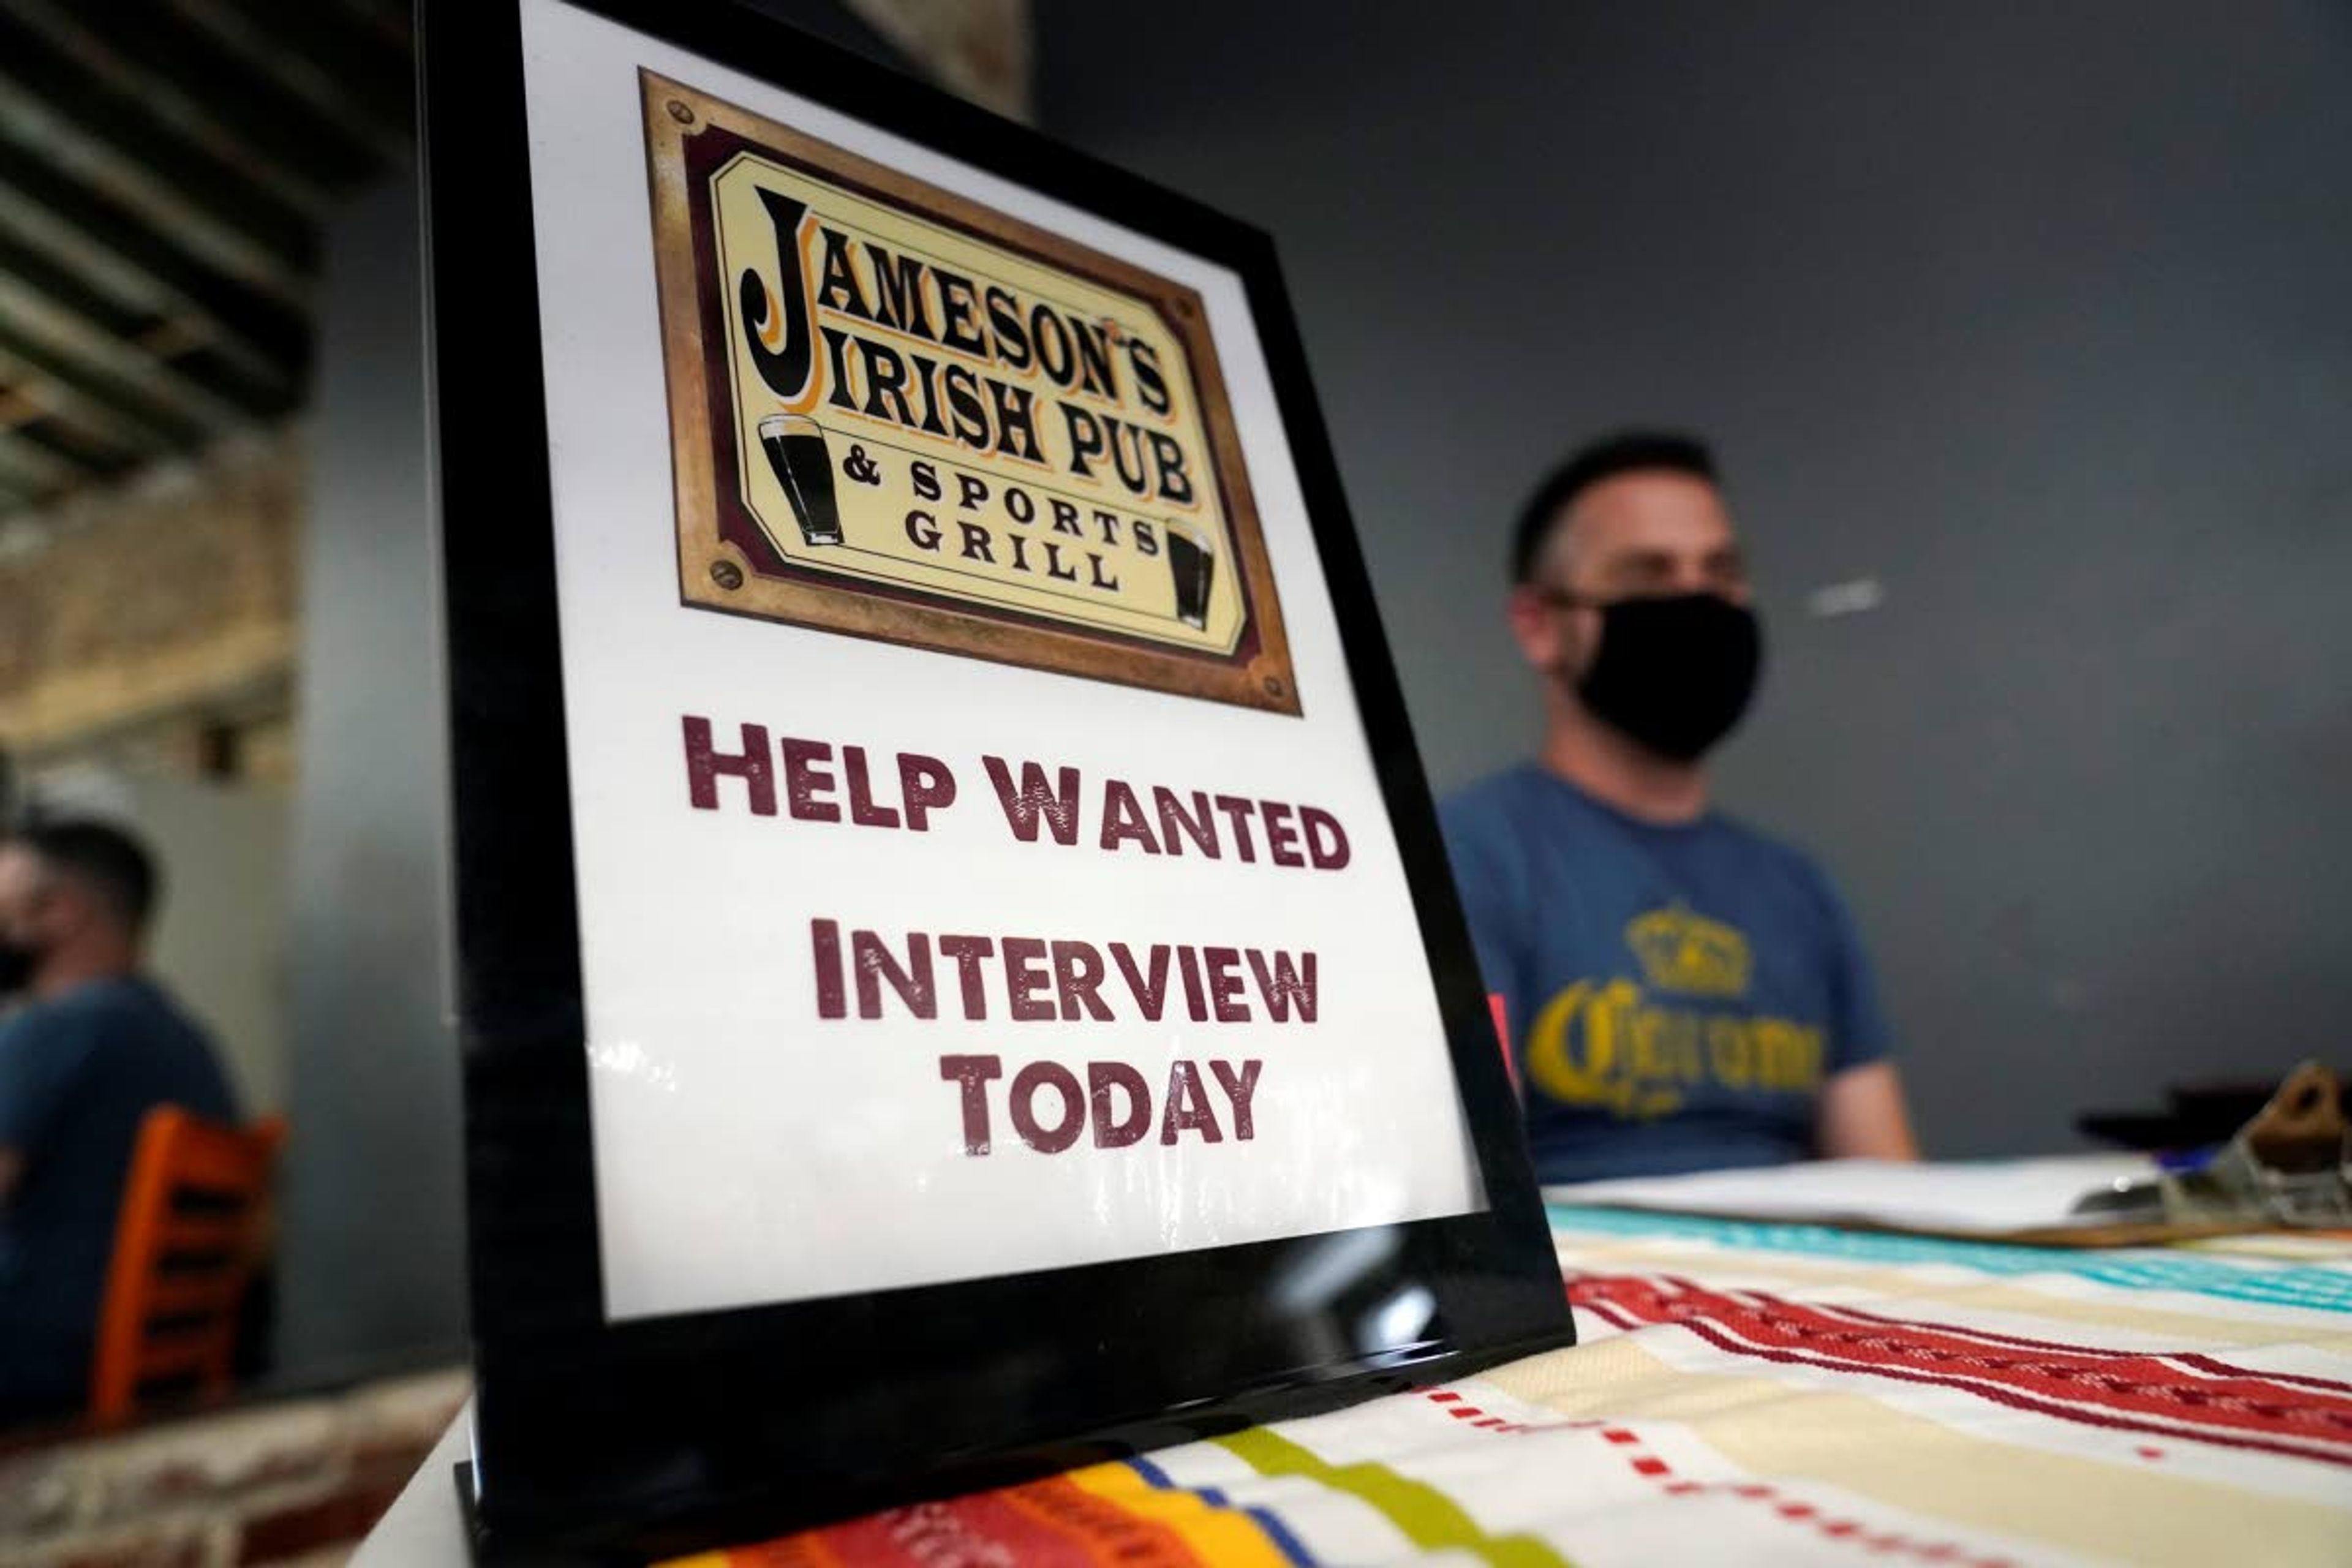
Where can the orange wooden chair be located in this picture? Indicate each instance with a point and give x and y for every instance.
(195, 1224)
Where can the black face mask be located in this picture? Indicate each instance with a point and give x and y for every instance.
(17, 964)
(1674, 673)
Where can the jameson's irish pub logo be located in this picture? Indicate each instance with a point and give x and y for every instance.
(898, 414)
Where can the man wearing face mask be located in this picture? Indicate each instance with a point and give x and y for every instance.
(91, 1046)
(1685, 994)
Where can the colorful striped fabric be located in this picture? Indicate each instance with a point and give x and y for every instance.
(1770, 1394)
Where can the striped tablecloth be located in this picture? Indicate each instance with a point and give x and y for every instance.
(1769, 1393)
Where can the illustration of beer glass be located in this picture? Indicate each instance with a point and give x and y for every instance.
(1194, 569)
(795, 447)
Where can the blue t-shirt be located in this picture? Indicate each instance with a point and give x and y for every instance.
(78, 1074)
(1677, 994)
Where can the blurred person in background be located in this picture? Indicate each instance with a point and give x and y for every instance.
(92, 1047)
(1684, 993)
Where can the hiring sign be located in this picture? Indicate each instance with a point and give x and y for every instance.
(944, 890)
(1027, 883)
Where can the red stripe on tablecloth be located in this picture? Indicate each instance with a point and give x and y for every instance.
(2207, 1364)
(2135, 1381)
(2202, 1363)
(2245, 1412)
(2078, 1415)
(1610, 1315)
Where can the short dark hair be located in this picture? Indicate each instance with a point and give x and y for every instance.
(104, 858)
(1623, 452)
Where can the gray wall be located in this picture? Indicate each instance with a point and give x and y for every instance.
(219, 941)
(2037, 315)
(374, 1262)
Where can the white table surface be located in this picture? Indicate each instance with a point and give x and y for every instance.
(423, 1528)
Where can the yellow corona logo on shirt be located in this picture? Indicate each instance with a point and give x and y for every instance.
(1603, 1044)
(1683, 951)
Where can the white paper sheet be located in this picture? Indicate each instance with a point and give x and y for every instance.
(1972, 1197)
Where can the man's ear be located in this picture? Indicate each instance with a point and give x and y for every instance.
(1536, 627)
(62, 909)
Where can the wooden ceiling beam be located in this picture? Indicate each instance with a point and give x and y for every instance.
(53, 107)
(182, 75)
(122, 253)
(33, 470)
(71, 391)
(104, 365)
(183, 345)
(38, 426)
(332, 59)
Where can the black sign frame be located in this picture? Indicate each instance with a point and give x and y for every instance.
(652, 1437)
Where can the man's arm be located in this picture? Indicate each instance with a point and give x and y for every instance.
(1860, 1113)
(11, 1162)
(1861, 1116)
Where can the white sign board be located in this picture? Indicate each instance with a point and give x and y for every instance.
(928, 932)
